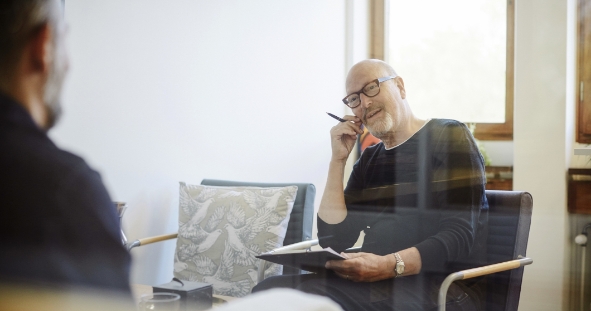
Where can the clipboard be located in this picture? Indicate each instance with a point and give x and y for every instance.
(312, 261)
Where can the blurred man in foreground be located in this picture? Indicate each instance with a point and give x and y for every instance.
(58, 226)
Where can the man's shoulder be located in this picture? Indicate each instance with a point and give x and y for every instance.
(449, 130)
(66, 161)
(442, 124)
(65, 168)
(35, 155)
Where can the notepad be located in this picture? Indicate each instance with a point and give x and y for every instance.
(312, 261)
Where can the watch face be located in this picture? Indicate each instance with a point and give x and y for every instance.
(399, 269)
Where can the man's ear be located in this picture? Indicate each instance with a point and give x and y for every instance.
(41, 49)
(400, 84)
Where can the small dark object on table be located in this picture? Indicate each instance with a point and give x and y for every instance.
(195, 296)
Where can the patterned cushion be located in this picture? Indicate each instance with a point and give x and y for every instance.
(221, 229)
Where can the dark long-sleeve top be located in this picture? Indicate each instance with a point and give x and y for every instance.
(58, 225)
(386, 198)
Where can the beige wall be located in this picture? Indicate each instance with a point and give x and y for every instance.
(541, 144)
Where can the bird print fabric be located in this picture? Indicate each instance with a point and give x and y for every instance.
(222, 229)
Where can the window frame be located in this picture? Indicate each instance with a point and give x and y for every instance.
(378, 48)
(583, 104)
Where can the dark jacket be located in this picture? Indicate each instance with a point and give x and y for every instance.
(58, 224)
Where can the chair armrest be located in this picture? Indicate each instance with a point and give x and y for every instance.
(475, 272)
(150, 240)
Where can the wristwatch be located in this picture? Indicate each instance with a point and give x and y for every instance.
(399, 269)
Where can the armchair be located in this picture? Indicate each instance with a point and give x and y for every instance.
(509, 223)
(299, 226)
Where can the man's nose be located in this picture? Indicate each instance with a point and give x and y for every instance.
(366, 101)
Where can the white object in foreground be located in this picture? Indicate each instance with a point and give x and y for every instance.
(281, 299)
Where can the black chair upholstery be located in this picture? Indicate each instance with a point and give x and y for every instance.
(509, 222)
(301, 219)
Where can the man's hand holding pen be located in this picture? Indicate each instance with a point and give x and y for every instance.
(343, 137)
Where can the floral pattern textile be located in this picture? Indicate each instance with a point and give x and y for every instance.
(222, 229)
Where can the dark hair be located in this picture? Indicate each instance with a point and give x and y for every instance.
(19, 20)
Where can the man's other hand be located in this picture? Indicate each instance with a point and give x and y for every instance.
(343, 137)
(363, 267)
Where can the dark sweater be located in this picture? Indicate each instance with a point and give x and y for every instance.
(385, 198)
(58, 224)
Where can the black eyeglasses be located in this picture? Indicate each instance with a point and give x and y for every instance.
(370, 90)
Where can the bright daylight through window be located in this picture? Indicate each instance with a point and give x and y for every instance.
(453, 63)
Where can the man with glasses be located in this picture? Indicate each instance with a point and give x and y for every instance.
(418, 195)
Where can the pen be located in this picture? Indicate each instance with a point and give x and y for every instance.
(332, 115)
(341, 120)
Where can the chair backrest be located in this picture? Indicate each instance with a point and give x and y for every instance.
(509, 221)
(301, 219)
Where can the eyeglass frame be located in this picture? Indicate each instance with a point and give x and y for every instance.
(378, 81)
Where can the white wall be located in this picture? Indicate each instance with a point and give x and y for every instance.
(167, 91)
(540, 144)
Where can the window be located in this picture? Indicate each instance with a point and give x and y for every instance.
(457, 63)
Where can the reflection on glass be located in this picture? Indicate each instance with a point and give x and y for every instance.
(454, 54)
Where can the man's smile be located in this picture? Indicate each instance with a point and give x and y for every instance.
(372, 113)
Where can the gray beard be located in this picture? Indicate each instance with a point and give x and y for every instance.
(381, 128)
(53, 88)
(54, 113)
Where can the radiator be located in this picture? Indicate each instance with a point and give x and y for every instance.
(581, 272)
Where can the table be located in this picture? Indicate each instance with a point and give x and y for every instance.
(30, 297)
(137, 290)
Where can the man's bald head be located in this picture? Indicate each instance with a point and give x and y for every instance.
(372, 67)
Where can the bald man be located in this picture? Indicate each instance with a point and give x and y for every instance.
(58, 226)
(418, 195)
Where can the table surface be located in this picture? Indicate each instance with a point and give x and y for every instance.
(137, 290)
